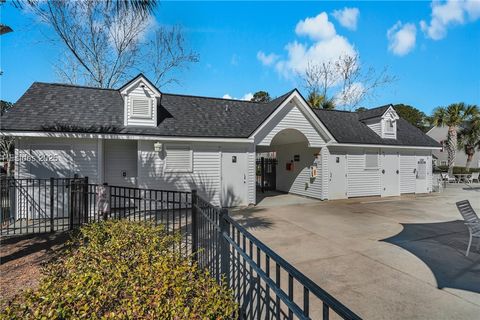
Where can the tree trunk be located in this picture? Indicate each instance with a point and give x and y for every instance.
(451, 148)
(470, 153)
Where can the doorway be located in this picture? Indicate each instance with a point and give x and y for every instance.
(390, 174)
(338, 176)
(234, 178)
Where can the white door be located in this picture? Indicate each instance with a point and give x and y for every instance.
(337, 165)
(421, 174)
(120, 162)
(390, 174)
(234, 178)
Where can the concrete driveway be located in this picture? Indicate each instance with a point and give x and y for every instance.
(385, 258)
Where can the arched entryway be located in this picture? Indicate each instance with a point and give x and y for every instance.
(298, 168)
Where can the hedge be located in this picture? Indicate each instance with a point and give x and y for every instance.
(123, 270)
(458, 170)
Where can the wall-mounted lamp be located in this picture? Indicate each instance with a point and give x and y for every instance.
(158, 146)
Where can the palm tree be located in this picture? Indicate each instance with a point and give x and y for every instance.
(469, 139)
(318, 101)
(453, 117)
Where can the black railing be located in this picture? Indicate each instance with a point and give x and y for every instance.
(265, 285)
(266, 174)
(46, 205)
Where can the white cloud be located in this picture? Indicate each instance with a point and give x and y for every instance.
(267, 59)
(317, 28)
(347, 17)
(451, 12)
(401, 38)
(300, 55)
(326, 47)
(247, 96)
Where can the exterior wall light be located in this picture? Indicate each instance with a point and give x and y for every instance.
(158, 146)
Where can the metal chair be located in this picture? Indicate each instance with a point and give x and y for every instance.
(446, 177)
(471, 220)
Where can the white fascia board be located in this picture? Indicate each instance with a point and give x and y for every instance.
(135, 83)
(390, 146)
(120, 136)
(304, 106)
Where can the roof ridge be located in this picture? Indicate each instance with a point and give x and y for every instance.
(74, 85)
(225, 99)
(386, 105)
(335, 110)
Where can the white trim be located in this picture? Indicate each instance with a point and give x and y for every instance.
(305, 108)
(120, 136)
(145, 82)
(380, 146)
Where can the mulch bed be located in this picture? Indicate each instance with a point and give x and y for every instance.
(21, 259)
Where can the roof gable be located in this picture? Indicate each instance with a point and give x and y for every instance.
(140, 79)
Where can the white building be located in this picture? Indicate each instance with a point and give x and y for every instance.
(139, 136)
(439, 134)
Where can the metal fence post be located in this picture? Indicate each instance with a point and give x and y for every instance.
(262, 169)
(52, 222)
(224, 245)
(71, 185)
(194, 224)
(85, 200)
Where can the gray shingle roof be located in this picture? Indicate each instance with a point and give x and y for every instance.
(346, 127)
(66, 108)
(373, 113)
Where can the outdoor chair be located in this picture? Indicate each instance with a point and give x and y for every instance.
(474, 177)
(471, 220)
(448, 178)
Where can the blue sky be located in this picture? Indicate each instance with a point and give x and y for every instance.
(436, 61)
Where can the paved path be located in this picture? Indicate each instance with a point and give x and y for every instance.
(385, 258)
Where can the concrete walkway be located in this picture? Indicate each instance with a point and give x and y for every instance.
(385, 258)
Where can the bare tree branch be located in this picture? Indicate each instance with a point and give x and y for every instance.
(106, 45)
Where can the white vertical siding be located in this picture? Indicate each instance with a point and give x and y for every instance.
(205, 176)
(290, 117)
(298, 181)
(407, 174)
(139, 92)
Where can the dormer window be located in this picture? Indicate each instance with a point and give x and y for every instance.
(140, 98)
(141, 108)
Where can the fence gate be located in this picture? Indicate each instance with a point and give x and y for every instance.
(78, 202)
(266, 174)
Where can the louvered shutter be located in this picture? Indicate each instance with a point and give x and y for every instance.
(141, 108)
(179, 158)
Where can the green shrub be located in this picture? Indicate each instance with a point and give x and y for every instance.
(123, 270)
(458, 170)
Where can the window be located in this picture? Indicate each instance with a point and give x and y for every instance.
(141, 108)
(389, 126)
(371, 161)
(179, 159)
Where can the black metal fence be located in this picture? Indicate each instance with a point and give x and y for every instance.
(46, 205)
(265, 285)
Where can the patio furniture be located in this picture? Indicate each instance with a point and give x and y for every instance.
(474, 176)
(446, 177)
(471, 220)
(462, 177)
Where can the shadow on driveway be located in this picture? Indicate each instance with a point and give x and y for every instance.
(441, 246)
